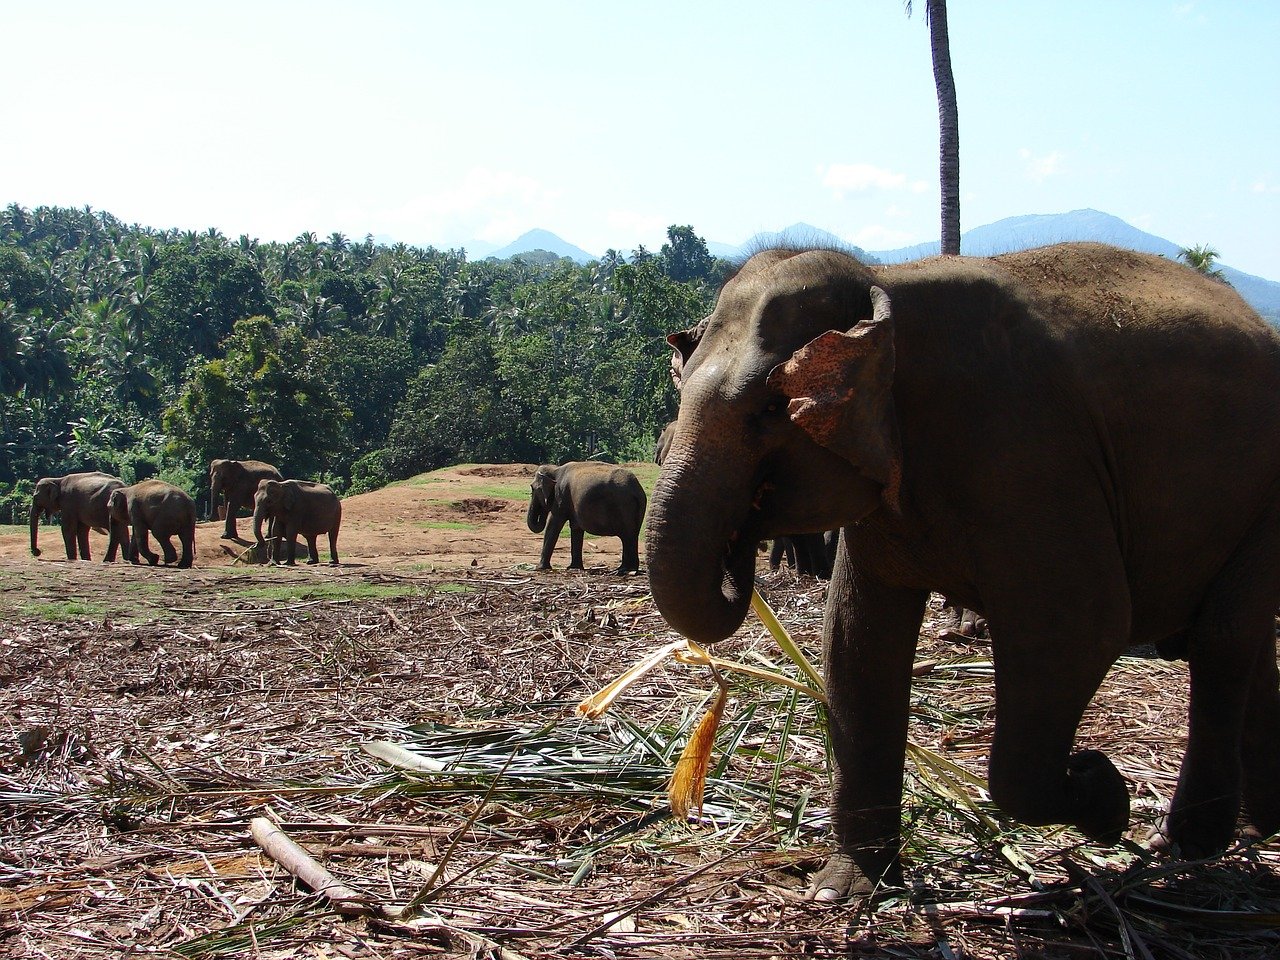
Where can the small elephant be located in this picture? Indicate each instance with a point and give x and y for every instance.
(663, 443)
(152, 507)
(237, 481)
(595, 498)
(297, 507)
(998, 431)
(81, 499)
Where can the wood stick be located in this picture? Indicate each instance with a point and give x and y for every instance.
(277, 845)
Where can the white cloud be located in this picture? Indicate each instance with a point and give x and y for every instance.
(842, 178)
(1040, 168)
(1261, 186)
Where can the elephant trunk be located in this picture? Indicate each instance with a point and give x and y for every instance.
(215, 488)
(537, 516)
(260, 513)
(700, 554)
(35, 524)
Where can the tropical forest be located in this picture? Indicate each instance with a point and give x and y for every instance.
(147, 352)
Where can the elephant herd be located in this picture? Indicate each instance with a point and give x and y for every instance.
(131, 515)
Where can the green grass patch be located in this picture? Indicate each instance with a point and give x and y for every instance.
(64, 610)
(14, 528)
(293, 592)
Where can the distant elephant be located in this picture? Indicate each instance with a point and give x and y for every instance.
(152, 507)
(663, 443)
(1077, 442)
(238, 481)
(298, 507)
(81, 499)
(807, 554)
(596, 498)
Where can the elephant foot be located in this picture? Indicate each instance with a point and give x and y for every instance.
(1195, 832)
(1099, 797)
(576, 566)
(844, 879)
(184, 564)
(228, 536)
(312, 562)
(333, 563)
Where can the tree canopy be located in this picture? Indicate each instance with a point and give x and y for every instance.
(142, 351)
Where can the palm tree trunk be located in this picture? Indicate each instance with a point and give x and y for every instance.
(948, 126)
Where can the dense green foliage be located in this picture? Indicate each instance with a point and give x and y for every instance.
(144, 352)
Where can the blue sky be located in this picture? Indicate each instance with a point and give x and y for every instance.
(447, 122)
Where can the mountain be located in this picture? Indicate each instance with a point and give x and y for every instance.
(542, 240)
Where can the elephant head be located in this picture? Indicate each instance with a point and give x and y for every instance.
(222, 473)
(542, 494)
(273, 501)
(45, 500)
(786, 426)
(118, 522)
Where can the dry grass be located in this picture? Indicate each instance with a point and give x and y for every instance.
(136, 755)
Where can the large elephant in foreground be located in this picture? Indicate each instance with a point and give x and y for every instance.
(297, 507)
(1077, 442)
(237, 480)
(596, 498)
(81, 500)
(152, 507)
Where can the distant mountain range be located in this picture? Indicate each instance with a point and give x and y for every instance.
(1003, 236)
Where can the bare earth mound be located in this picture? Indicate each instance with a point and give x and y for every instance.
(407, 718)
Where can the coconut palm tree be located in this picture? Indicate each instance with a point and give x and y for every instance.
(935, 13)
(1202, 258)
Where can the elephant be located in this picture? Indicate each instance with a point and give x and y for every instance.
(81, 499)
(999, 431)
(238, 481)
(806, 552)
(663, 443)
(596, 498)
(297, 507)
(152, 507)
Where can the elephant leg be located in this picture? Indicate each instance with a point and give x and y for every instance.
(776, 553)
(630, 553)
(166, 546)
(333, 548)
(1234, 720)
(576, 536)
(188, 540)
(82, 540)
(70, 531)
(142, 546)
(313, 553)
(229, 531)
(869, 635)
(1260, 746)
(550, 534)
(291, 549)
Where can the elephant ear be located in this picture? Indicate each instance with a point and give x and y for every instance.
(683, 344)
(289, 496)
(840, 392)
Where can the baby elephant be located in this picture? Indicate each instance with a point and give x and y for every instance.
(297, 507)
(151, 507)
(596, 498)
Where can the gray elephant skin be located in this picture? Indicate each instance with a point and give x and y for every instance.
(597, 498)
(298, 508)
(152, 507)
(237, 481)
(81, 501)
(1077, 442)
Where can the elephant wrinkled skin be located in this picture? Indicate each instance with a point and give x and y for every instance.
(152, 507)
(81, 500)
(297, 507)
(1077, 442)
(596, 498)
(237, 481)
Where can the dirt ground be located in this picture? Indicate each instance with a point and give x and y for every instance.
(408, 719)
(457, 517)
